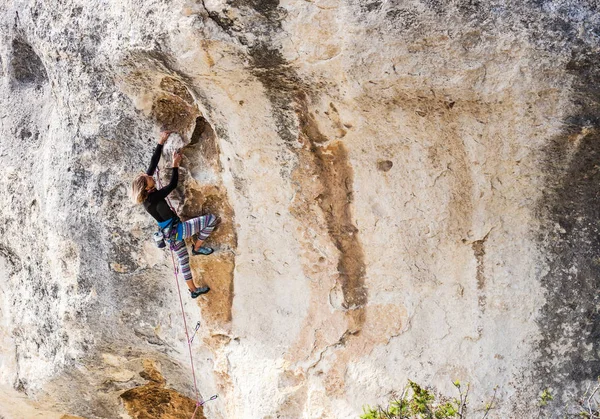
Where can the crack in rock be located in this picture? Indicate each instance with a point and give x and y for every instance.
(340, 342)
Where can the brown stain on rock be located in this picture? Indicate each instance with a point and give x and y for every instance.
(153, 400)
(323, 179)
(479, 252)
(335, 201)
(309, 128)
(324, 195)
(335, 175)
(173, 113)
(177, 89)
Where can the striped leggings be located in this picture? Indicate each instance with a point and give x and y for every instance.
(203, 226)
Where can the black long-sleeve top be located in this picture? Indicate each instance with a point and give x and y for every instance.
(155, 203)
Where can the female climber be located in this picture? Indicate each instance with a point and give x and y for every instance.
(143, 191)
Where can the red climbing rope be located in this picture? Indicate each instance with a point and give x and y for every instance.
(199, 401)
(187, 336)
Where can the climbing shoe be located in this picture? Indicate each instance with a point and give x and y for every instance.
(199, 291)
(202, 251)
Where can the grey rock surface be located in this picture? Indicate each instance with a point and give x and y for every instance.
(409, 190)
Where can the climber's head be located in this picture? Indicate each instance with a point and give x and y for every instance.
(150, 184)
(140, 187)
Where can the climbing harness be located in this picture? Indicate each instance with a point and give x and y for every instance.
(159, 239)
(167, 231)
(170, 231)
(199, 401)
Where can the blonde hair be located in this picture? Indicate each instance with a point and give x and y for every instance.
(138, 189)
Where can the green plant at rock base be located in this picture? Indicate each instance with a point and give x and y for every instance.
(545, 397)
(417, 402)
(422, 403)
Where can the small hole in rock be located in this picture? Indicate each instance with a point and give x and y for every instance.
(198, 130)
(384, 165)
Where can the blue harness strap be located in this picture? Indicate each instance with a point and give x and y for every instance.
(165, 224)
(172, 223)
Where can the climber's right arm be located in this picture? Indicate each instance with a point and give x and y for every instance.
(154, 160)
(164, 135)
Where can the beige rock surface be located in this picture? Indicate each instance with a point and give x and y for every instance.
(408, 191)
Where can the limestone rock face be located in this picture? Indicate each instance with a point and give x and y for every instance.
(409, 190)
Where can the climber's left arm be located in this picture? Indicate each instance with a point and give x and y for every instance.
(163, 192)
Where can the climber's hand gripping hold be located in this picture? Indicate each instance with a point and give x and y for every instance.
(164, 136)
(176, 158)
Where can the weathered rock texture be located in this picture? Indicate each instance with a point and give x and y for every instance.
(409, 189)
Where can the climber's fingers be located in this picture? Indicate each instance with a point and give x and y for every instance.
(164, 135)
(176, 158)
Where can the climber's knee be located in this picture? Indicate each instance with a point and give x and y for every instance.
(214, 220)
(178, 245)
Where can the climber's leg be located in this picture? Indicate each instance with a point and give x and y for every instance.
(184, 264)
(212, 223)
(203, 226)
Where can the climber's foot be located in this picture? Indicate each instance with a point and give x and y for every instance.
(199, 291)
(204, 250)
